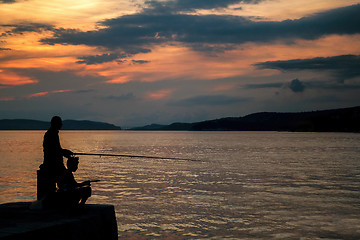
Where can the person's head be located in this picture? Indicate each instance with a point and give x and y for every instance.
(56, 122)
(72, 163)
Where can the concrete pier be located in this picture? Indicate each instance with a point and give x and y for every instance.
(18, 222)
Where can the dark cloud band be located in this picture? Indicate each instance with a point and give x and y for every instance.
(344, 66)
(139, 32)
(7, 1)
(191, 5)
(26, 27)
(97, 59)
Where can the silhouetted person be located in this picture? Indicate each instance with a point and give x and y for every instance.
(53, 165)
(73, 193)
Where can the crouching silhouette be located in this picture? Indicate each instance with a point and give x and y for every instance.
(72, 193)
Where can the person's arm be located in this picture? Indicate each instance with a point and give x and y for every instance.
(66, 153)
(86, 183)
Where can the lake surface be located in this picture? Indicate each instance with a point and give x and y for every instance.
(245, 185)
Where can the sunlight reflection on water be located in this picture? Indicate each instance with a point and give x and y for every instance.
(250, 185)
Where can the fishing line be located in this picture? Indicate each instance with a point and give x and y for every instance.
(136, 156)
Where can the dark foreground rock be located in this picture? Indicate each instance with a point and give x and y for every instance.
(18, 221)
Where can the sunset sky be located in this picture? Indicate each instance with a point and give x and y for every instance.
(136, 62)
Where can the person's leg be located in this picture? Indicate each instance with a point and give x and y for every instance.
(85, 193)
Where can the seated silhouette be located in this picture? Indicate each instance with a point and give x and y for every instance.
(70, 192)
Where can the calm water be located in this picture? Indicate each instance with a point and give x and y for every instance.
(249, 185)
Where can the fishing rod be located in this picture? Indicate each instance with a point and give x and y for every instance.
(135, 156)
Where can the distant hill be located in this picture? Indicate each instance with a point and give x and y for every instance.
(149, 127)
(336, 120)
(171, 127)
(26, 124)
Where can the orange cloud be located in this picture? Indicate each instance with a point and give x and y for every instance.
(159, 94)
(121, 79)
(172, 62)
(13, 79)
(223, 87)
(164, 62)
(66, 13)
(7, 99)
(280, 9)
(61, 91)
(37, 94)
(168, 62)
